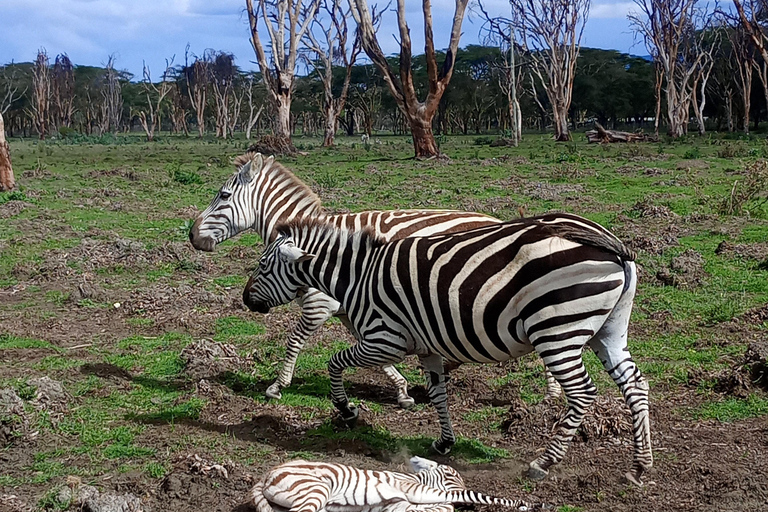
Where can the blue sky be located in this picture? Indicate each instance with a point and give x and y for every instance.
(153, 30)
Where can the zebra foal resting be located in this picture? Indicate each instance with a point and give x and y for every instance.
(552, 284)
(262, 194)
(301, 486)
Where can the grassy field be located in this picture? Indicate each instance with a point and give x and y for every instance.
(101, 292)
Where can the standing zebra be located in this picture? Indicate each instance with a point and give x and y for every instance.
(319, 486)
(262, 194)
(551, 284)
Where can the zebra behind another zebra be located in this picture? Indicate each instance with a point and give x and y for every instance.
(551, 284)
(263, 193)
(303, 486)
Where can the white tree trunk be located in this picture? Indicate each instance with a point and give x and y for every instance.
(7, 181)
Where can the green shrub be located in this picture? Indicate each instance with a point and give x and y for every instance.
(179, 175)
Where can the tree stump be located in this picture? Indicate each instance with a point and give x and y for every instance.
(7, 182)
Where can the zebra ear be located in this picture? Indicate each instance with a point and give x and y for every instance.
(418, 464)
(289, 253)
(251, 168)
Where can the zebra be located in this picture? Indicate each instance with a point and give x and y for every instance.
(552, 284)
(320, 486)
(262, 194)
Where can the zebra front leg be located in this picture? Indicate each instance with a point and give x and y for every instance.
(435, 370)
(404, 400)
(580, 392)
(316, 309)
(363, 355)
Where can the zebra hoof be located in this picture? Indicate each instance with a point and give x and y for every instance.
(441, 447)
(406, 403)
(633, 479)
(273, 392)
(350, 420)
(536, 472)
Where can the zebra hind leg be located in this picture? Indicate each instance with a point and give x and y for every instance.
(435, 370)
(316, 308)
(404, 400)
(580, 392)
(362, 355)
(553, 388)
(610, 345)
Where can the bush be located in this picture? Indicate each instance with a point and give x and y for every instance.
(692, 154)
(179, 175)
(483, 141)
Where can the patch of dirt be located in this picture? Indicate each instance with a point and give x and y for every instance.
(13, 208)
(505, 159)
(755, 316)
(188, 212)
(692, 164)
(757, 251)
(492, 205)
(655, 244)
(646, 209)
(686, 271)
(206, 359)
(129, 174)
(551, 191)
(51, 395)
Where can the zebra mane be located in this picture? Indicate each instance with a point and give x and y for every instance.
(321, 228)
(278, 169)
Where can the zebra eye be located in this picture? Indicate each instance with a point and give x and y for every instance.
(224, 194)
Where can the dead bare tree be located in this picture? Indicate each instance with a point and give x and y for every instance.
(418, 114)
(41, 94)
(150, 116)
(286, 21)
(7, 181)
(198, 80)
(703, 50)
(332, 50)
(10, 80)
(550, 32)
(62, 91)
(222, 76)
(751, 16)
(669, 31)
(111, 92)
(253, 113)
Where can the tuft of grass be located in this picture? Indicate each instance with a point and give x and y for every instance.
(183, 176)
(234, 329)
(155, 470)
(733, 409)
(9, 341)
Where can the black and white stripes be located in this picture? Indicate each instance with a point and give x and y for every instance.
(551, 284)
(318, 486)
(262, 194)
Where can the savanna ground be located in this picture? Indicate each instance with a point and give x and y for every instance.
(101, 292)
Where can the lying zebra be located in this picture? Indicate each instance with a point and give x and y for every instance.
(263, 193)
(301, 486)
(551, 284)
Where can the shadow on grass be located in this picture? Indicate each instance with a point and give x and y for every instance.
(319, 387)
(114, 372)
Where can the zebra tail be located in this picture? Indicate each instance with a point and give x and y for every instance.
(476, 498)
(599, 239)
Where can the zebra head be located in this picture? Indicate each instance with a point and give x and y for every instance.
(231, 210)
(437, 475)
(274, 282)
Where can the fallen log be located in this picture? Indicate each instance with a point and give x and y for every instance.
(601, 135)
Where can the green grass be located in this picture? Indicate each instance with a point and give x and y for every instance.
(733, 409)
(9, 341)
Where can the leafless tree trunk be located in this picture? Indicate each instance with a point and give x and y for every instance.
(198, 79)
(11, 86)
(223, 72)
(253, 114)
(550, 31)
(63, 91)
(41, 93)
(332, 51)
(150, 118)
(744, 53)
(418, 114)
(286, 21)
(670, 35)
(7, 182)
(111, 99)
(751, 16)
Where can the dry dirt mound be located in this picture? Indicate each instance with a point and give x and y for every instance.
(93, 254)
(88, 499)
(757, 251)
(654, 244)
(608, 417)
(646, 209)
(741, 379)
(51, 395)
(552, 191)
(686, 271)
(206, 359)
(129, 174)
(755, 316)
(13, 421)
(13, 208)
(181, 306)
